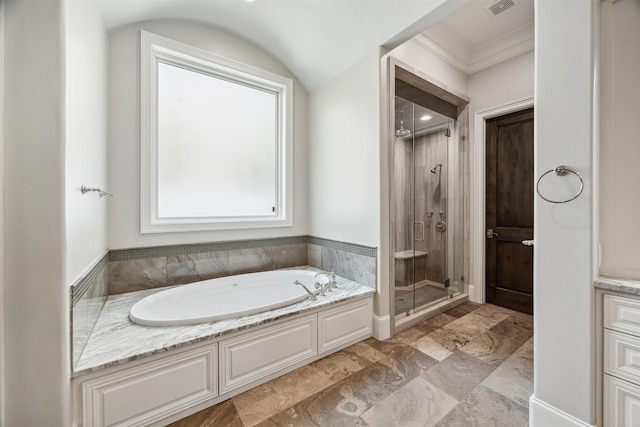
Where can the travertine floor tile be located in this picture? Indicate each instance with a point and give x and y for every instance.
(408, 363)
(431, 348)
(347, 361)
(268, 399)
(470, 366)
(490, 309)
(484, 407)
(497, 344)
(514, 378)
(463, 309)
(418, 403)
(222, 414)
(458, 374)
(342, 403)
(474, 324)
(435, 323)
(451, 340)
(408, 336)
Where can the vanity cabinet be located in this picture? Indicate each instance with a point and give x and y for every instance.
(167, 387)
(621, 361)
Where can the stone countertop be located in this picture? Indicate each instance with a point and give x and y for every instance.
(116, 340)
(631, 287)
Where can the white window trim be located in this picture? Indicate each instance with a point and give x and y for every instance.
(155, 48)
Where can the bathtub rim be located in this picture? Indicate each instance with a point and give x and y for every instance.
(137, 317)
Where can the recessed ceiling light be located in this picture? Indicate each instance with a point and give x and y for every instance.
(426, 117)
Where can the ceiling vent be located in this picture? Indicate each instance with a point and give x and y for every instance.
(499, 7)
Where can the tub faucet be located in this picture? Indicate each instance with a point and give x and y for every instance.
(332, 279)
(311, 294)
(323, 287)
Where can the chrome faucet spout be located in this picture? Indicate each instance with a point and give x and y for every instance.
(312, 296)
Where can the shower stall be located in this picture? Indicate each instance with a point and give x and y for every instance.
(428, 193)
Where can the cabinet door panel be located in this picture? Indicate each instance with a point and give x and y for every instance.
(151, 392)
(621, 403)
(622, 314)
(344, 325)
(255, 355)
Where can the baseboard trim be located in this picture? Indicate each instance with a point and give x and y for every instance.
(541, 414)
(381, 327)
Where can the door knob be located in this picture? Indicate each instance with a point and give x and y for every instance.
(491, 234)
(528, 242)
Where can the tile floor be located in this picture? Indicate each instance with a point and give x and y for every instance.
(470, 366)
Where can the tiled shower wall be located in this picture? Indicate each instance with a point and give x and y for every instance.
(130, 270)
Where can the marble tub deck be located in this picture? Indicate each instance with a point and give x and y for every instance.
(470, 366)
(116, 340)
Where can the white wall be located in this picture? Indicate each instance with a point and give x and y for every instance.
(620, 150)
(36, 297)
(429, 63)
(501, 84)
(344, 156)
(124, 132)
(564, 368)
(344, 162)
(86, 132)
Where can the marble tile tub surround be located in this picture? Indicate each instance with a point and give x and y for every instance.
(116, 340)
(352, 265)
(626, 286)
(88, 296)
(148, 268)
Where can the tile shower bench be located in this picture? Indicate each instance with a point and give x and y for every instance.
(130, 375)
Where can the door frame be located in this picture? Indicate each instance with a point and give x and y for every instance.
(478, 194)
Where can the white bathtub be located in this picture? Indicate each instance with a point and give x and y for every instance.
(223, 298)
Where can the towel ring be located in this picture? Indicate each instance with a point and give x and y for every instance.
(560, 171)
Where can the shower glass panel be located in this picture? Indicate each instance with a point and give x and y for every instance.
(428, 191)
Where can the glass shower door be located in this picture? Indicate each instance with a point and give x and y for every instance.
(426, 189)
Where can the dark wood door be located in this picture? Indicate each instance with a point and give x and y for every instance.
(509, 211)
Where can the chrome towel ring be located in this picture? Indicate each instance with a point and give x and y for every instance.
(560, 171)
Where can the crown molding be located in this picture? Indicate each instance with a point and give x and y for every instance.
(455, 51)
(441, 52)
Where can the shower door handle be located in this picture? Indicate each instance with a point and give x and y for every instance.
(415, 233)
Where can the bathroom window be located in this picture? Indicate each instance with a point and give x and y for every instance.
(216, 141)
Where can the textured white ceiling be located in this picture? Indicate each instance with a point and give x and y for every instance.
(315, 39)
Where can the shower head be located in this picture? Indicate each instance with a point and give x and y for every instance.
(439, 165)
(402, 132)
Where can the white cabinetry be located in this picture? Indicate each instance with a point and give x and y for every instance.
(255, 355)
(343, 325)
(150, 392)
(621, 361)
(191, 378)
